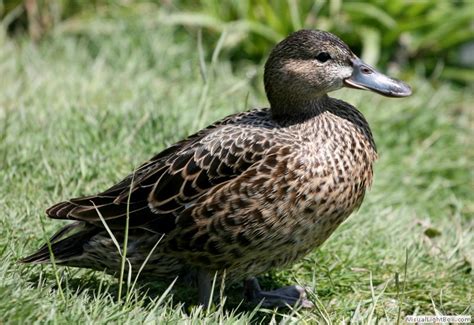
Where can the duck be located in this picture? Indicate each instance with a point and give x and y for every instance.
(254, 191)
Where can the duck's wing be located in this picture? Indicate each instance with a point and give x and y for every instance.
(155, 194)
(245, 214)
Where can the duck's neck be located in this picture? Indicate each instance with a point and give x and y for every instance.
(299, 108)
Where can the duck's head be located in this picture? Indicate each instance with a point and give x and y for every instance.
(308, 64)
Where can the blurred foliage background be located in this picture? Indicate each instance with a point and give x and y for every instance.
(432, 38)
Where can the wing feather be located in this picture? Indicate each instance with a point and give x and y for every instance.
(164, 186)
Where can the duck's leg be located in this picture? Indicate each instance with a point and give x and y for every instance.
(204, 287)
(291, 295)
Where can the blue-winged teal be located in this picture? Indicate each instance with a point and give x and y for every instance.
(253, 191)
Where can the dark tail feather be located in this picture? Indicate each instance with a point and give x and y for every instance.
(62, 247)
(60, 210)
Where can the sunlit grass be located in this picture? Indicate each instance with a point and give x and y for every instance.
(77, 114)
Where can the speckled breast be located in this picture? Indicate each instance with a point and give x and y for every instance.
(338, 170)
(330, 174)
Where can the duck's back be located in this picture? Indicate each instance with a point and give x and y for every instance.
(153, 198)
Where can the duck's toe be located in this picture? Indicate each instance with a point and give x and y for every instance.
(286, 296)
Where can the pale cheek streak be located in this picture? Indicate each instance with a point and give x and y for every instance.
(297, 67)
(302, 67)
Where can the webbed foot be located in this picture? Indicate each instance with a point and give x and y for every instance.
(282, 297)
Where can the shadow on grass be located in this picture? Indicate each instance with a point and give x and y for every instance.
(182, 296)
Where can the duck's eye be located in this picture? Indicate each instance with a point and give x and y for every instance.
(323, 57)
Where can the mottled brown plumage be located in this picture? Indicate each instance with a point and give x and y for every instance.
(254, 191)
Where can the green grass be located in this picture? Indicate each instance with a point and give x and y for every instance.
(79, 113)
